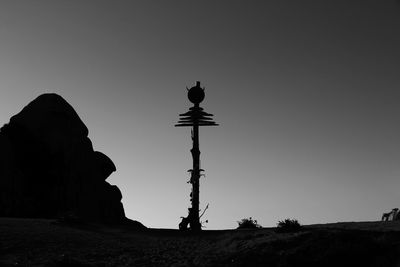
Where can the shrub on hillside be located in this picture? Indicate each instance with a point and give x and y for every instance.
(288, 226)
(248, 223)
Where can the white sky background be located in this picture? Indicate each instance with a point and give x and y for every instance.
(306, 95)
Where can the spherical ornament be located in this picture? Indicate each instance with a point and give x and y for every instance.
(196, 94)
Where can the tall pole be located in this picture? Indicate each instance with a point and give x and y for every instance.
(194, 217)
(194, 118)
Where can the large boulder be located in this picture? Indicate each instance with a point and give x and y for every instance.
(48, 166)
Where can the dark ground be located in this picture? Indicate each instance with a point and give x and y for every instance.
(40, 242)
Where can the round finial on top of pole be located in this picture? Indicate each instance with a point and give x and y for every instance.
(196, 94)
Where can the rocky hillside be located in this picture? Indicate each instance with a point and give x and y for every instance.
(48, 167)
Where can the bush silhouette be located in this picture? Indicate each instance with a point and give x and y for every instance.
(248, 223)
(288, 226)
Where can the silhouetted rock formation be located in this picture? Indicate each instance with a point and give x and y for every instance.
(48, 167)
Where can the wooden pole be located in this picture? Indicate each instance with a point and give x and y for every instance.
(194, 212)
(195, 118)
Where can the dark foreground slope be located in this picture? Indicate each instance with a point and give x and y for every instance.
(35, 242)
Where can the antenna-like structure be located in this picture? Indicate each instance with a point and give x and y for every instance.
(195, 117)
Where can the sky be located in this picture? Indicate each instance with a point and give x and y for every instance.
(306, 96)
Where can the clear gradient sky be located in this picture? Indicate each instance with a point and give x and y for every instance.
(306, 94)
